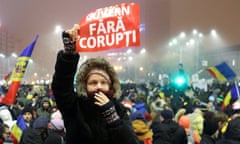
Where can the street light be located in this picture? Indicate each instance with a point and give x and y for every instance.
(178, 42)
(14, 55)
(8, 63)
(58, 29)
(11, 61)
(195, 40)
(2, 55)
(143, 51)
(184, 40)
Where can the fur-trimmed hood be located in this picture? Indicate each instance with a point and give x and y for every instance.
(97, 63)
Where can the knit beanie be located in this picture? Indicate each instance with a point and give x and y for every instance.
(56, 115)
(27, 109)
(41, 122)
(99, 72)
(167, 114)
(57, 124)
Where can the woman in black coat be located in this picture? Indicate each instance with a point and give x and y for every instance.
(91, 112)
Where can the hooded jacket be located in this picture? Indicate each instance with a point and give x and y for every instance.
(142, 130)
(82, 119)
(44, 111)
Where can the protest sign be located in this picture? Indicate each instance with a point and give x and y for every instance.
(110, 28)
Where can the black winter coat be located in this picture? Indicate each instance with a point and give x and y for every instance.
(206, 139)
(83, 121)
(232, 134)
(226, 141)
(168, 132)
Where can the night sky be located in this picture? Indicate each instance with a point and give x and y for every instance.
(162, 19)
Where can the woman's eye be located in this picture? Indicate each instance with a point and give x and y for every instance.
(92, 83)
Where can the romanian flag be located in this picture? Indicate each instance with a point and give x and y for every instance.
(233, 94)
(18, 73)
(222, 72)
(17, 130)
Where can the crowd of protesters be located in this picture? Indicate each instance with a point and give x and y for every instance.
(97, 109)
(159, 114)
(43, 120)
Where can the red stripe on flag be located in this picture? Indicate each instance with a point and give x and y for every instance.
(14, 139)
(11, 94)
(212, 72)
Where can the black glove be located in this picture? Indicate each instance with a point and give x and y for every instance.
(69, 44)
(110, 114)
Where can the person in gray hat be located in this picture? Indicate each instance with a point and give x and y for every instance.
(91, 111)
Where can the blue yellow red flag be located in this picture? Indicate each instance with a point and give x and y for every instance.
(222, 72)
(233, 94)
(18, 73)
(17, 130)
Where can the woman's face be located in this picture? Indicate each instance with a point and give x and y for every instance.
(96, 82)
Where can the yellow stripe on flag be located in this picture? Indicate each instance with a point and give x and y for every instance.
(227, 99)
(16, 132)
(20, 68)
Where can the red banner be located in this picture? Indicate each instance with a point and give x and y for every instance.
(110, 28)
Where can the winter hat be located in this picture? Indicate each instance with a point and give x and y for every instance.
(27, 109)
(167, 114)
(5, 114)
(137, 116)
(57, 124)
(99, 72)
(56, 115)
(21, 103)
(41, 122)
